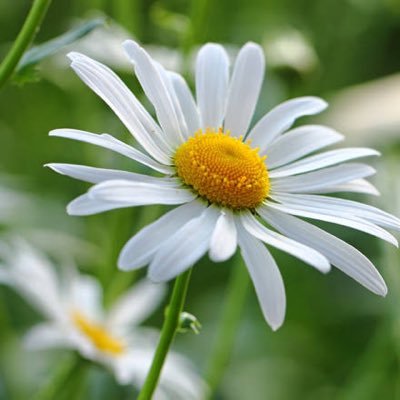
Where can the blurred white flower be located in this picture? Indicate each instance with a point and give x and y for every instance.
(104, 44)
(232, 182)
(290, 48)
(369, 112)
(14, 203)
(76, 320)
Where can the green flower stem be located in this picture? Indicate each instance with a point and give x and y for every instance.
(24, 38)
(232, 310)
(170, 326)
(62, 376)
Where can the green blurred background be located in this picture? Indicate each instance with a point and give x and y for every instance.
(339, 341)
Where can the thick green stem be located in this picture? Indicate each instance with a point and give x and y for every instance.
(170, 326)
(231, 313)
(24, 38)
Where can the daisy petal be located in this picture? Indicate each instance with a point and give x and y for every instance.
(299, 142)
(281, 118)
(87, 205)
(135, 305)
(29, 272)
(322, 160)
(45, 336)
(107, 85)
(183, 132)
(156, 90)
(139, 193)
(335, 205)
(97, 175)
(184, 247)
(245, 86)
(85, 294)
(319, 180)
(296, 249)
(266, 278)
(224, 238)
(187, 102)
(356, 186)
(109, 142)
(139, 250)
(339, 253)
(212, 77)
(336, 217)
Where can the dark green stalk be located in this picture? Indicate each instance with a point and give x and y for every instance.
(170, 326)
(24, 38)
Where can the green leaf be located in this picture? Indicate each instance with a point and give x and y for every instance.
(37, 53)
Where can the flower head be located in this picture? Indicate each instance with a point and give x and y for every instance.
(76, 320)
(235, 185)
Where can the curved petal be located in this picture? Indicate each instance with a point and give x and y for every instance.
(335, 217)
(339, 253)
(224, 237)
(186, 100)
(184, 247)
(337, 205)
(322, 160)
(319, 180)
(139, 193)
(266, 278)
(107, 85)
(87, 205)
(109, 142)
(281, 118)
(134, 306)
(355, 186)
(166, 78)
(299, 142)
(85, 295)
(212, 78)
(296, 249)
(46, 336)
(244, 89)
(31, 272)
(156, 90)
(141, 248)
(97, 175)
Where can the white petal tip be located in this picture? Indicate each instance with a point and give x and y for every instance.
(128, 43)
(70, 210)
(253, 45)
(123, 264)
(74, 55)
(275, 326)
(325, 268)
(218, 257)
(130, 48)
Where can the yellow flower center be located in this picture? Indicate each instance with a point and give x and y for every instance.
(223, 169)
(98, 335)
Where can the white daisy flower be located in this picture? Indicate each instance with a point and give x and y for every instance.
(76, 320)
(235, 185)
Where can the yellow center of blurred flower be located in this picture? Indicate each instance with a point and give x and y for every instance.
(98, 335)
(223, 169)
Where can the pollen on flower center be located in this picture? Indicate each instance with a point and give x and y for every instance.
(223, 169)
(98, 335)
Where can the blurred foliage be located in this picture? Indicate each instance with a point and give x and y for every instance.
(32, 57)
(339, 341)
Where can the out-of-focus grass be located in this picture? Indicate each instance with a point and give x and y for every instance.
(338, 341)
